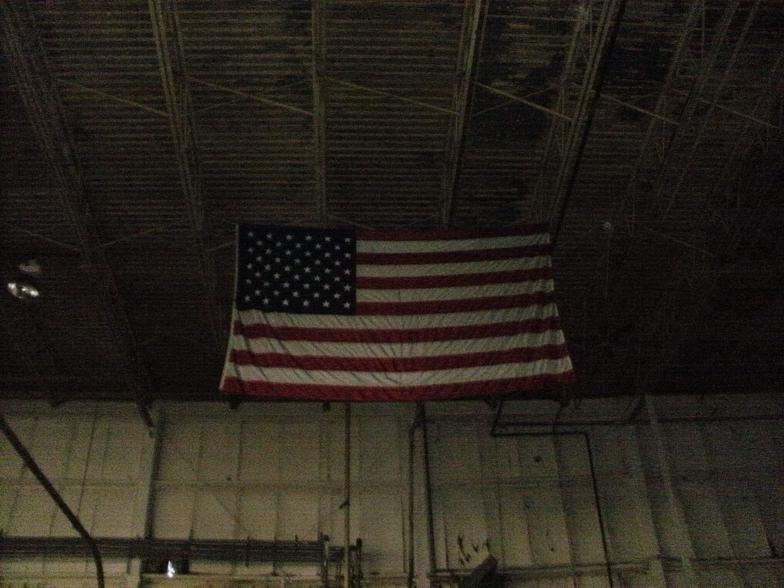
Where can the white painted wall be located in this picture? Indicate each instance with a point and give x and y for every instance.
(276, 471)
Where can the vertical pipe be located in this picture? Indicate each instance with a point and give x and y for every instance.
(324, 539)
(431, 540)
(687, 552)
(347, 503)
(598, 506)
(52, 491)
(411, 445)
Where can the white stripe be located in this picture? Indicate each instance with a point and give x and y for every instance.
(423, 321)
(368, 246)
(249, 373)
(396, 350)
(449, 269)
(455, 293)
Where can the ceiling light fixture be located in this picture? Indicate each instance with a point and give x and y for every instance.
(23, 290)
(22, 284)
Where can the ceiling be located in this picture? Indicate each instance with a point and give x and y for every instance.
(136, 134)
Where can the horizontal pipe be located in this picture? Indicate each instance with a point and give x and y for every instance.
(621, 422)
(197, 549)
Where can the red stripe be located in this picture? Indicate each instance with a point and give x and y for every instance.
(545, 385)
(405, 283)
(258, 331)
(448, 234)
(398, 364)
(459, 305)
(453, 256)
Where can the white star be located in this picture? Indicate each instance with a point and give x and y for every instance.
(308, 238)
(287, 268)
(347, 240)
(347, 288)
(327, 271)
(247, 299)
(288, 237)
(258, 258)
(295, 294)
(316, 295)
(276, 292)
(257, 292)
(327, 254)
(250, 249)
(276, 275)
(327, 287)
(285, 284)
(336, 296)
(317, 279)
(298, 245)
(306, 286)
(257, 274)
(285, 302)
(266, 284)
(307, 269)
(306, 303)
(288, 252)
(326, 304)
(347, 272)
(338, 263)
(297, 262)
(347, 255)
(248, 281)
(328, 239)
(277, 260)
(268, 267)
(318, 245)
(346, 305)
(265, 300)
(268, 251)
(296, 276)
(317, 262)
(269, 235)
(278, 244)
(308, 254)
(337, 247)
(250, 266)
(336, 278)
(250, 233)
(259, 243)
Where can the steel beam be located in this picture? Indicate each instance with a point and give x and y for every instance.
(587, 101)
(468, 55)
(32, 465)
(319, 55)
(41, 98)
(676, 142)
(179, 105)
(706, 117)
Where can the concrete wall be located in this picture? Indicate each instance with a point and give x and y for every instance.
(276, 471)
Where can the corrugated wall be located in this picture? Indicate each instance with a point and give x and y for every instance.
(276, 471)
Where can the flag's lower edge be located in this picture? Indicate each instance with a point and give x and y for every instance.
(270, 390)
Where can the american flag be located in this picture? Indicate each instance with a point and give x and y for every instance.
(339, 314)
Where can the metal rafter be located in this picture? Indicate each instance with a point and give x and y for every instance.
(707, 116)
(41, 99)
(179, 105)
(319, 55)
(587, 101)
(693, 100)
(468, 55)
(689, 25)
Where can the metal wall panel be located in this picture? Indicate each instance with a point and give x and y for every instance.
(276, 471)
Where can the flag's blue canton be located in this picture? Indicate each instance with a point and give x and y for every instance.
(296, 270)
